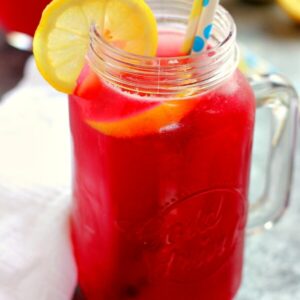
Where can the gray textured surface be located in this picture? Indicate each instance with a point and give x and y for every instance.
(272, 259)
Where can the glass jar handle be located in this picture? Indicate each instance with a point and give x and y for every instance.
(273, 158)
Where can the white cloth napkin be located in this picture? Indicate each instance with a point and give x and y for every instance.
(36, 261)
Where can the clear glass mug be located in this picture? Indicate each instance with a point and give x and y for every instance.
(162, 155)
(19, 20)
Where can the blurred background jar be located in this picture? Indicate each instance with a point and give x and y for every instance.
(19, 19)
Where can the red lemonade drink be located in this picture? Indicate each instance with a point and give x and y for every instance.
(160, 204)
(161, 147)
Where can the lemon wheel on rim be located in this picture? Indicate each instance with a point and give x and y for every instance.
(62, 37)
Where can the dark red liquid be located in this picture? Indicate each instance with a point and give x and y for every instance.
(162, 216)
(21, 15)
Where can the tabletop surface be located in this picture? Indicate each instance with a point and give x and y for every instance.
(272, 263)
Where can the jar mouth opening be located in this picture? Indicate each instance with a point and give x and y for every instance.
(169, 76)
(219, 47)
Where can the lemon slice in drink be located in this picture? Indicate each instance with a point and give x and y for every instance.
(62, 37)
(292, 7)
